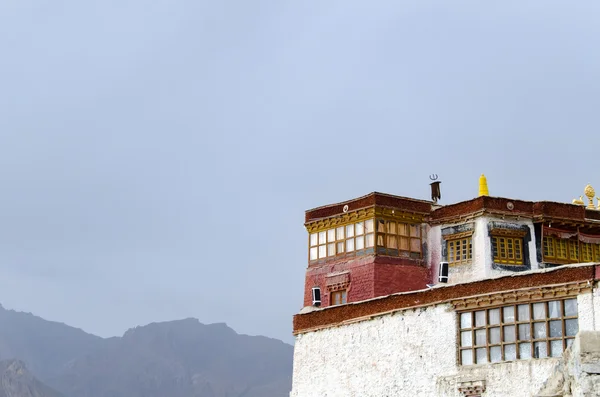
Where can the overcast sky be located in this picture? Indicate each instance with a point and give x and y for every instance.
(157, 157)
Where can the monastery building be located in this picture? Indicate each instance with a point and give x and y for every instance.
(487, 297)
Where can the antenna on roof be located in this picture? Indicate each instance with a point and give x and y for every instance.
(436, 194)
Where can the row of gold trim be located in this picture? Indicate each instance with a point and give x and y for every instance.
(508, 232)
(458, 236)
(522, 295)
(361, 215)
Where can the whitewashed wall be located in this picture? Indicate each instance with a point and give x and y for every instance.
(411, 353)
(481, 264)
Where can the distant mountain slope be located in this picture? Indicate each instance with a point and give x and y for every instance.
(182, 359)
(17, 381)
(44, 346)
(177, 359)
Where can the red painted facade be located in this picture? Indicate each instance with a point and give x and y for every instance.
(366, 277)
(369, 275)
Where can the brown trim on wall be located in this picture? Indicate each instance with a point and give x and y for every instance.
(329, 317)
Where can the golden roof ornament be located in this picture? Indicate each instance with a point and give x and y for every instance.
(590, 193)
(483, 187)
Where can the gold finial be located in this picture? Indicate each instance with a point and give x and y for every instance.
(483, 187)
(598, 198)
(579, 201)
(590, 193)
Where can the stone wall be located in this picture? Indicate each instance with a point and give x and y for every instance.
(578, 374)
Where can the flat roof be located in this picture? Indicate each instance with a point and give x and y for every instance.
(537, 210)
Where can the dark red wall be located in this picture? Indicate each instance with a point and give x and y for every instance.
(370, 277)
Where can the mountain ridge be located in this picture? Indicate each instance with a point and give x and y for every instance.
(179, 358)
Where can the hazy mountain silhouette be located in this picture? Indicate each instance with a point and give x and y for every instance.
(45, 346)
(17, 381)
(177, 359)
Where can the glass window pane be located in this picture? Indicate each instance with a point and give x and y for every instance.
(331, 235)
(524, 350)
(525, 331)
(313, 239)
(539, 330)
(570, 342)
(331, 249)
(340, 248)
(381, 240)
(494, 316)
(510, 352)
(403, 243)
(369, 226)
(322, 251)
(415, 230)
(480, 318)
(415, 245)
(322, 237)
(509, 314)
(340, 233)
(540, 349)
(350, 231)
(370, 240)
(523, 311)
(350, 245)
(466, 339)
(570, 307)
(359, 228)
(554, 309)
(391, 227)
(539, 311)
(360, 242)
(380, 226)
(494, 335)
(392, 242)
(556, 348)
(465, 320)
(403, 229)
(466, 357)
(555, 328)
(480, 337)
(481, 355)
(495, 354)
(571, 327)
(509, 333)
(313, 253)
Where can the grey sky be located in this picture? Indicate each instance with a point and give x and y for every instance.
(156, 157)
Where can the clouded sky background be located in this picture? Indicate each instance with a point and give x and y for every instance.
(157, 157)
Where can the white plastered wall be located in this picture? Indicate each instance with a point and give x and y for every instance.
(589, 310)
(412, 353)
(481, 264)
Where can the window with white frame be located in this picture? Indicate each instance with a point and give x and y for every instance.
(342, 240)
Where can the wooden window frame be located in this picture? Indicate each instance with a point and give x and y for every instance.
(336, 240)
(459, 239)
(510, 237)
(342, 293)
(575, 251)
(385, 235)
(519, 340)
